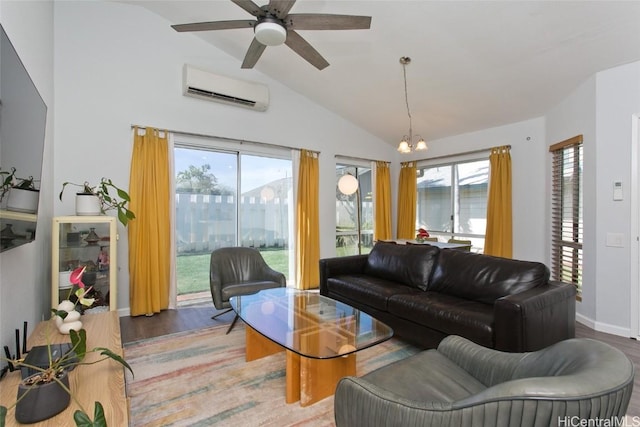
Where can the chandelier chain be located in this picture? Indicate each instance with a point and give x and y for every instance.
(406, 100)
(406, 144)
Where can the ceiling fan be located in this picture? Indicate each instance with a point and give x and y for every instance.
(275, 25)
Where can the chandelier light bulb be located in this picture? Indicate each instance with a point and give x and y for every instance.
(404, 146)
(421, 145)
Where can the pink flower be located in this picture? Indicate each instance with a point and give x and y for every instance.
(76, 279)
(76, 276)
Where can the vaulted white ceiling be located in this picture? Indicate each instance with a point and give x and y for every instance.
(475, 64)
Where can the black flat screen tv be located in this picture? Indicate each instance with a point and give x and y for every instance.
(23, 115)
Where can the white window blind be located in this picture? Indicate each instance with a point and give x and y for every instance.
(566, 211)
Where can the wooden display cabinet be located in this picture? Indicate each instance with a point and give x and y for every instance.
(85, 241)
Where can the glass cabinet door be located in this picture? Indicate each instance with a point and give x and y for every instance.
(85, 241)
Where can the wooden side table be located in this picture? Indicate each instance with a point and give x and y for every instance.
(103, 382)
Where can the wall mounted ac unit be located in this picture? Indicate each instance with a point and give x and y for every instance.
(213, 87)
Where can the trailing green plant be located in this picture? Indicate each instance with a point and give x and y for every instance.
(108, 201)
(68, 361)
(9, 181)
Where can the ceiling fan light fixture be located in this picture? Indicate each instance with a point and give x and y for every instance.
(270, 33)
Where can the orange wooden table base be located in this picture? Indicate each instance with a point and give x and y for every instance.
(308, 380)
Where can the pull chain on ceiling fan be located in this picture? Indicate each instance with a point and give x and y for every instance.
(275, 26)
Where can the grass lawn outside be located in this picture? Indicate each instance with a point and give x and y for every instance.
(192, 270)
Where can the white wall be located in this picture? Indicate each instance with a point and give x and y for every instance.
(25, 271)
(118, 64)
(617, 99)
(601, 109)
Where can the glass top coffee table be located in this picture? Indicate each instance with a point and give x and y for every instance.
(320, 335)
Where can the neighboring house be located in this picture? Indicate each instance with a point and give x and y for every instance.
(100, 71)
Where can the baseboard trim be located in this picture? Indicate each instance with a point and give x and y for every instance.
(603, 327)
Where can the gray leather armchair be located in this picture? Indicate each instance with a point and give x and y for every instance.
(464, 384)
(239, 271)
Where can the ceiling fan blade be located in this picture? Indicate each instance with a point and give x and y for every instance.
(304, 49)
(214, 25)
(253, 54)
(280, 8)
(250, 7)
(322, 21)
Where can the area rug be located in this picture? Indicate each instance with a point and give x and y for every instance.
(200, 378)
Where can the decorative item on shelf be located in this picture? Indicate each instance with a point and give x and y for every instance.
(71, 320)
(7, 235)
(105, 201)
(64, 279)
(406, 144)
(422, 235)
(48, 392)
(103, 259)
(92, 238)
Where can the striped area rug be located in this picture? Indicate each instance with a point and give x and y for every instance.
(200, 378)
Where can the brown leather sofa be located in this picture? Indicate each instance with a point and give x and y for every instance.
(425, 294)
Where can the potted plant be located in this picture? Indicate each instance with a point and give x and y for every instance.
(31, 405)
(102, 199)
(22, 194)
(7, 179)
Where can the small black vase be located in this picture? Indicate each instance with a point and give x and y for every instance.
(42, 401)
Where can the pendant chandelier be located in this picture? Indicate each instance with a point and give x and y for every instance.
(406, 144)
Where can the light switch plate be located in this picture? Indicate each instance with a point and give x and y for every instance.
(615, 240)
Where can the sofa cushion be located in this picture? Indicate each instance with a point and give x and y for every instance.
(367, 290)
(484, 278)
(408, 264)
(446, 313)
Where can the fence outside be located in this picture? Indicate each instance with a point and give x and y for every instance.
(205, 222)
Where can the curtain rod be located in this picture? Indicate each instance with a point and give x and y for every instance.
(465, 153)
(358, 158)
(222, 138)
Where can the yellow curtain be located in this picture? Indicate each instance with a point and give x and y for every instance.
(150, 232)
(382, 221)
(407, 196)
(308, 218)
(499, 233)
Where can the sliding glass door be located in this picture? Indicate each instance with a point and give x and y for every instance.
(228, 198)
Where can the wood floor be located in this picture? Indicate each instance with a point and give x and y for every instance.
(192, 318)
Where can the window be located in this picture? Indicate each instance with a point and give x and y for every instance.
(452, 201)
(354, 213)
(229, 198)
(566, 212)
